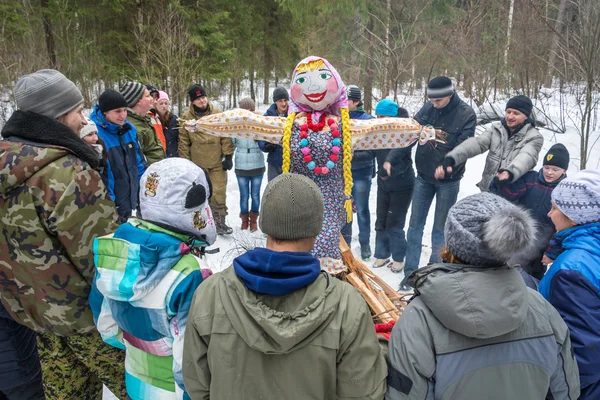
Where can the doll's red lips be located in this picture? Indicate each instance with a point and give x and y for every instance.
(315, 98)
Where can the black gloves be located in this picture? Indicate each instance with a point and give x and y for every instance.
(447, 162)
(271, 147)
(227, 162)
(497, 182)
(510, 174)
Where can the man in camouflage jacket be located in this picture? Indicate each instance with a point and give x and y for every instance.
(53, 204)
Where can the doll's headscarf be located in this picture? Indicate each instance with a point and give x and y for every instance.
(341, 98)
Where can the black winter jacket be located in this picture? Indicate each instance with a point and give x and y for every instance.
(458, 120)
(403, 174)
(171, 131)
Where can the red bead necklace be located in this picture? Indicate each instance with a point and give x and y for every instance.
(335, 143)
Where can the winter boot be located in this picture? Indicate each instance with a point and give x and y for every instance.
(253, 221)
(397, 267)
(404, 286)
(365, 252)
(381, 262)
(222, 228)
(245, 220)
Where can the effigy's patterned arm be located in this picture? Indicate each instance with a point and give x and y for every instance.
(239, 123)
(390, 133)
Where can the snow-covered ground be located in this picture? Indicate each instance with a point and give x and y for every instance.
(231, 246)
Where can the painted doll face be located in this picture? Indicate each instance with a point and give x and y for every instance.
(314, 85)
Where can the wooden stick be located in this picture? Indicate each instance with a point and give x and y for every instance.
(381, 297)
(371, 299)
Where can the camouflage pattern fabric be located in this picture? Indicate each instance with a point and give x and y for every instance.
(75, 367)
(149, 142)
(52, 206)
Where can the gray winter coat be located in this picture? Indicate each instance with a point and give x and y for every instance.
(516, 154)
(479, 333)
(248, 156)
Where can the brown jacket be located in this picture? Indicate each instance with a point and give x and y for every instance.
(203, 150)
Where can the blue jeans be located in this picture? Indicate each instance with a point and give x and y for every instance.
(249, 186)
(360, 191)
(392, 208)
(445, 194)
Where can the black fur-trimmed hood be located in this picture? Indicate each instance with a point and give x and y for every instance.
(40, 131)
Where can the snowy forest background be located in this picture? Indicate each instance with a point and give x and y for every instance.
(546, 49)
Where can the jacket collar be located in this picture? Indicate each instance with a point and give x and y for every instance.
(132, 114)
(199, 114)
(551, 184)
(276, 273)
(454, 102)
(44, 131)
(521, 129)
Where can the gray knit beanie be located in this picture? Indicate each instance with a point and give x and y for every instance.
(291, 208)
(354, 93)
(486, 230)
(280, 93)
(578, 197)
(47, 92)
(132, 91)
(247, 104)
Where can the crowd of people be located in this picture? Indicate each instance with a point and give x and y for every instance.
(106, 219)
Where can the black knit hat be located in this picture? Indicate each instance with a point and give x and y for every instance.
(354, 93)
(402, 113)
(151, 89)
(439, 87)
(196, 91)
(520, 103)
(280, 93)
(110, 100)
(558, 156)
(133, 92)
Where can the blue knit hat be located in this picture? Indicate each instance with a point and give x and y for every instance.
(386, 108)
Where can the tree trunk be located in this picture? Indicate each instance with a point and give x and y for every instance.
(252, 92)
(235, 90)
(49, 33)
(231, 96)
(386, 63)
(586, 123)
(368, 97)
(555, 39)
(268, 64)
(508, 33)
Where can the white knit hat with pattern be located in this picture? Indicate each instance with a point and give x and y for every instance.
(578, 197)
(175, 192)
